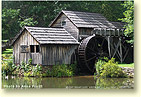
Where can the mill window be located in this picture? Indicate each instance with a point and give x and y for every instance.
(63, 23)
(34, 48)
(84, 31)
(37, 48)
(24, 48)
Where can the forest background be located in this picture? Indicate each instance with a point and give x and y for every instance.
(17, 14)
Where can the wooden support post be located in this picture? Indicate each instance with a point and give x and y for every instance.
(116, 49)
(109, 47)
(126, 54)
(120, 50)
(105, 32)
(118, 32)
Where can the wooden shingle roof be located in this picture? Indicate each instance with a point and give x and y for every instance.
(87, 20)
(118, 25)
(51, 35)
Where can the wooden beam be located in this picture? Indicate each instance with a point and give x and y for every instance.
(120, 49)
(109, 48)
(125, 54)
(116, 48)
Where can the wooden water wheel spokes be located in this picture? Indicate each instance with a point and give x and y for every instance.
(90, 50)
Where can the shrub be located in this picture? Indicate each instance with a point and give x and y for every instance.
(8, 67)
(73, 68)
(27, 74)
(27, 70)
(24, 69)
(111, 69)
(37, 70)
(30, 61)
(61, 71)
(48, 72)
(99, 65)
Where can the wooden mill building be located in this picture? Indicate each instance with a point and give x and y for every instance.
(87, 35)
(46, 46)
(81, 24)
(98, 37)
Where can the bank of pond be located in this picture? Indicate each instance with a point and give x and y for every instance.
(104, 68)
(109, 74)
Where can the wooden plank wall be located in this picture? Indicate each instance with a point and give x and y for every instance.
(85, 32)
(26, 39)
(70, 27)
(57, 54)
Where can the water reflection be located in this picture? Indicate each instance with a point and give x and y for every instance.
(71, 82)
(115, 83)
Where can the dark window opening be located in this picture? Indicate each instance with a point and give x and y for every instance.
(24, 48)
(32, 48)
(37, 48)
(84, 31)
(63, 23)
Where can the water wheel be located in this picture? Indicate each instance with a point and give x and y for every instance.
(90, 49)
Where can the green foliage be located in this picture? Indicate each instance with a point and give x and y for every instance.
(9, 21)
(12, 21)
(27, 74)
(129, 19)
(61, 71)
(8, 51)
(99, 65)
(126, 65)
(108, 68)
(111, 69)
(18, 14)
(73, 68)
(112, 10)
(28, 22)
(4, 41)
(7, 57)
(8, 67)
(48, 73)
(23, 69)
(114, 83)
(30, 61)
(37, 70)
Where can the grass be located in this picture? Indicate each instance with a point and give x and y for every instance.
(4, 40)
(8, 51)
(126, 65)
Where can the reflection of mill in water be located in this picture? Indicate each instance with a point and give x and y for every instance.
(69, 82)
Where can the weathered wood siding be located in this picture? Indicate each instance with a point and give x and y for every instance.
(57, 54)
(85, 32)
(26, 39)
(70, 27)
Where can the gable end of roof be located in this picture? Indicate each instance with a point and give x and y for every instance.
(62, 12)
(18, 35)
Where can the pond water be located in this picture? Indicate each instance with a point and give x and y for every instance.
(68, 82)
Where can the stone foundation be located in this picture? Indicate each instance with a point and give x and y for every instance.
(128, 71)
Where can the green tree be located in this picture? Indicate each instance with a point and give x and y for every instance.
(41, 13)
(9, 22)
(112, 10)
(12, 22)
(129, 19)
